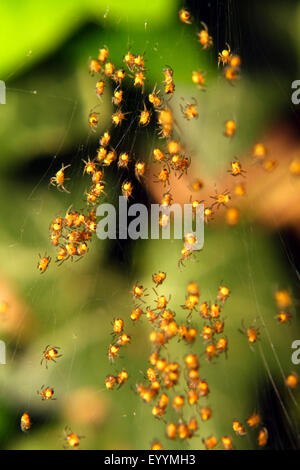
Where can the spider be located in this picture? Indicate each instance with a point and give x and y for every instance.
(109, 69)
(119, 75)
(236, 169)
(89, 167)
(283, 317)
(208, 214)
(163, 177)
(231, 73)
(103, 54)
(168, 81)
(189, 110)
(123, 160)
(50, 353)
(94, 66)
(221, 199)
(204, 38)
(185, 255)
(154, 98)
(159, 278)
(46, 393)
(43, 263)
(198, 77)
(118, 117)
(59, 179)
(100, 88)
(185, 16)
(93, 120)
(210, 442)
(262, 438)
(138, 291)
(145, 117)
(117, 98)
(25, 422)
(224, 57)
(139, 169)
(230, 128)
(161, 301)
(118, 325)
(227, 443)
(139, 79)
(251, 332)
(72, 439)
(127, 188)
(238, 428)
(110, 382)
(105, 139)
(254, 420)
(129, 60)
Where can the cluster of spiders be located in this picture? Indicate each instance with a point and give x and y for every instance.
(163, 376)
(72, 232)
(173, 157)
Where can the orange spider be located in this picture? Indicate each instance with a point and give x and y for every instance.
(262, 438)
(154, 98)
(221, 199)
(43, 263)
(204, 38)
(139, 169)
(189, 110)
(25, 422)
(145, 116)
(158, 155)
(231, 73)
(208, 214)
(118, 117)
(93, 120)
(105, 139)
(110, 382)
(127, 189)
(103, 54)
(119, 75)
(100, 88)
(238, 428)
(59, 179)
(123, 160)
(227, 442)
(283, 317)
(168, 81)
(113, 351)
(118, 97)
(94, 66)
(210, 442)
(230, 128)
(46, 393)
(159, 278)
(109, 69)
(198, 77)
(224, 57)
(72, 439)
(89, 167)
(251, 332)
(163, 177)
(185, 16)
(50, 354)
(139, 79)
(236, 168)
